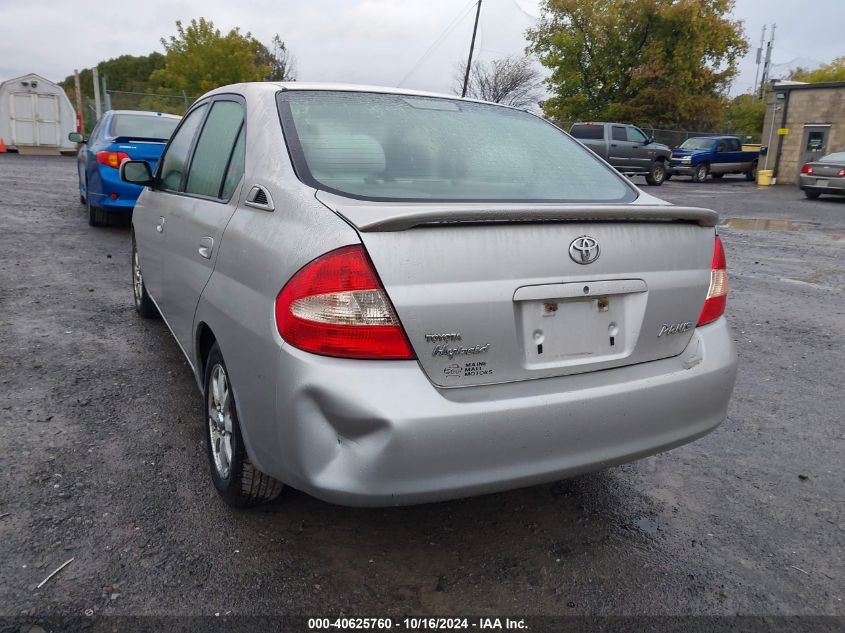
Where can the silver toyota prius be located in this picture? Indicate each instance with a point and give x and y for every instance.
(394, 297)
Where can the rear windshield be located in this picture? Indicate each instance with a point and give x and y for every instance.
(837, 157)
(697, 143)
(587, 130)
(403, 148)
(143, 126)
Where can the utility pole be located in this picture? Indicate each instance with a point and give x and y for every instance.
(98, 105)
(471, 46)
(768, 63)
(106, 95)
(759, 60)
(80, 113)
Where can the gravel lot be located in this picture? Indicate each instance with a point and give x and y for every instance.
(103, 461)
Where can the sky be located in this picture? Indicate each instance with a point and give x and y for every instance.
(383, 42)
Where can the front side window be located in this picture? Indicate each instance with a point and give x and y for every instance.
(176, 154)
(396, 147)
(214, 148)
(635, 136)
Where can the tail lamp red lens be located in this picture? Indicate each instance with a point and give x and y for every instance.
(807, 169)
(337, 306)
(717, 294)
(112, 159)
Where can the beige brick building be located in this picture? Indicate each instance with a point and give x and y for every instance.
(813, 114)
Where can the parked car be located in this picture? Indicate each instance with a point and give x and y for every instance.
(389, 297)
(630, 150)
(119, 135)
(716, 156)
(826, 175)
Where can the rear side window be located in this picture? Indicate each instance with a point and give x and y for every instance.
(236, 167)
(214, 149)
(136, 126)
(619, 133)
(176, 154)
(583, 130)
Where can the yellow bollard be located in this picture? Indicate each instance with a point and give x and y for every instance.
(764, 177)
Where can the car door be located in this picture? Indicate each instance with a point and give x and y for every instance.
(149, 219)
(723, 158)
(620, 153)
(641, 157)
(207, 201)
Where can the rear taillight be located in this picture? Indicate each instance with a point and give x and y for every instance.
(717, 294)
(806, 169)
(337, 306)
(112, 159)
(841, 173)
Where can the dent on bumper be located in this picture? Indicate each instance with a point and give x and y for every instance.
(378, 433)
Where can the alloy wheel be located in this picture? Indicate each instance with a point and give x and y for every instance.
(220, 420)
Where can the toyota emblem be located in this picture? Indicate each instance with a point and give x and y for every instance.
(584, 250)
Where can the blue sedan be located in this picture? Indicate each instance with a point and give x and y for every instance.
(119, 135)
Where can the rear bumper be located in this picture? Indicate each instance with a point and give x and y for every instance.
(378, 433)
(107, 183)
(835, 185)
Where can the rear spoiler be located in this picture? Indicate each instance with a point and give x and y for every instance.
(374, 216)
(138, 139)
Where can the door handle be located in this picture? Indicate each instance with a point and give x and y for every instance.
(206, 244)
(613, 144)
(160, 225)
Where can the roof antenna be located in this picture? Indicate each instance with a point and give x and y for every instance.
(471, 46)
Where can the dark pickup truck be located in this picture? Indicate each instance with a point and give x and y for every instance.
(627, 148)
(716, 156)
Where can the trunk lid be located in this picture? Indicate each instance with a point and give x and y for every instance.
(826, 169)
(490, 294)
(139, 149)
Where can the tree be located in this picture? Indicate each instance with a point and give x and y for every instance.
(200, 58)
(280, 60)
(666, 62)
(511, 81)
(744, 116)
(834, 71)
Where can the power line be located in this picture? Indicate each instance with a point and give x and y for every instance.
(443, 35)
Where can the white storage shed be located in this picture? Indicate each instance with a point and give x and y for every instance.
(35, 115)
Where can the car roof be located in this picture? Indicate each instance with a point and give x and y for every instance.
(145, 113)
(259, 87)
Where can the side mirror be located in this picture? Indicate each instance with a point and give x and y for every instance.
(137, 172)
(649, 140)
(76, 137)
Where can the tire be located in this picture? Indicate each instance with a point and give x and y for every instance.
(144, 305)
(812, 195)
(751, 174)
(237, 481)
(701, 172)
(718, 176)
(96, 215)
(656, 176)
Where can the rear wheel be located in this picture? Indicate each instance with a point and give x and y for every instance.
(236, 479)
(812, 195)
(657, 174)
(143, 303)
(751, 174)
(96, 215)
(700, 173)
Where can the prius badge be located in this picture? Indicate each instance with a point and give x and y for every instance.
(584, 250)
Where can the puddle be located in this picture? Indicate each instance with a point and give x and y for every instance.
(769, 224)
